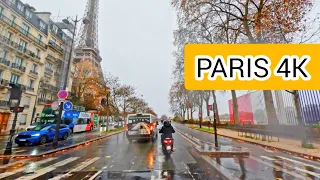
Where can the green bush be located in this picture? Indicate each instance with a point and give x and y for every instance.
(191, 121)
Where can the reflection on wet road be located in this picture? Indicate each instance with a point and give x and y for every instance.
(116, 158)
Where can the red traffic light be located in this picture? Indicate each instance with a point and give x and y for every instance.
(16, 109)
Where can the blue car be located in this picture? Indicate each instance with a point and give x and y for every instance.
(41, 134)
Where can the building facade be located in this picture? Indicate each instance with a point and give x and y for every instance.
(32, 55)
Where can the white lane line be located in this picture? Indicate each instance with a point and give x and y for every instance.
(293, 167)
(95, 175)
(268, 158)
(188, 170)
(78, 168)
(306, 160)
(37, 163)
(48, 169)
(14, 163)
(225, 172)
(278, 167)
(298, 162)
(189, 140)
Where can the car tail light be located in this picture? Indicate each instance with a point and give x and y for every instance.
(151, 126)
(126, 127)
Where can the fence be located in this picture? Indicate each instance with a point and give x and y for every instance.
(252, 107)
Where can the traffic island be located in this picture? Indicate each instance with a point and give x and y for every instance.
(51, 152)
(222, 151)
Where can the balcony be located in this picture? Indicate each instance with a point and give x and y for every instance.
(26, 106)
(48, 87)
(4, 62)
(18, 28)
(44, 101)
(18, 67)
(30, 88)
(19, 48)
(51, 58)
(4, 103)
(55, 47)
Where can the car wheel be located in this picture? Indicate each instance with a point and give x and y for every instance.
(43, 139)
(65, 136)
(71, 130)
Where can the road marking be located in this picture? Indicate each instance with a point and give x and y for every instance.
(294, 167)
(6, 174)
(188, 140)
(278, 167)
(48, 169)
(268, 158)
(95, 175)
(14, 163)
(225, 172)
(78, 168)
(298, 162)
(188, 170)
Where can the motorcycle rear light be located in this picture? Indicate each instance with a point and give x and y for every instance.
(167, 141)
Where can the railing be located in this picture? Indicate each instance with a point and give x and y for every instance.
(23, 31)
(3, 82)
(51, 57)
(54, 45)
(44, 101)
(4, 103)
(33, 72)
(48, 70)
(49, 87)
(26, 106)
(18, 47)
(30, 88)
(5, 62)
(19, 67)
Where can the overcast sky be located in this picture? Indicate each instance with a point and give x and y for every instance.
(135, 42)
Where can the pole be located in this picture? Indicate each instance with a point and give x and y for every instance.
(35, 104)
(215, 129)
(13, 128)
(107, 128)
(56, 136)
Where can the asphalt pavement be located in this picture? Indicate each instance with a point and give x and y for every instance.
(116, 158)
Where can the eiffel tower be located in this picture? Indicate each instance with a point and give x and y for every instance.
(87, 46)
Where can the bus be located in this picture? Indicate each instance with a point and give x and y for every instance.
(76, 120)
(141, 127)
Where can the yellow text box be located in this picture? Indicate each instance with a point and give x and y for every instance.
(274, 52)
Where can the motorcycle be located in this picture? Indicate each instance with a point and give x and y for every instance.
(166, 145)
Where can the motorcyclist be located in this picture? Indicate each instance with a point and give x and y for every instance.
(167, 131)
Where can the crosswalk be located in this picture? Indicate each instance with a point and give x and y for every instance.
(69, 167)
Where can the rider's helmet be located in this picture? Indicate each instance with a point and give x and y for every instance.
(166, 122)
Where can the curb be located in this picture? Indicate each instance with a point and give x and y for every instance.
(62, 149)
(303, 155)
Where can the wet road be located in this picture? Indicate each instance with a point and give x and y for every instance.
(36, 149)
(262, 163)
(116, 158)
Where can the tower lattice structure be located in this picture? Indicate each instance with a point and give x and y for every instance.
(87, 45)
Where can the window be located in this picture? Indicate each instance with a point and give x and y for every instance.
(9, 36)
(39, 38)
(14, 79)
(49, 66)
(52, 40)
(42, 96)
(34, 68)
(4, 54)
(26, 100)
(18, 61)
(31, 82)
(25, 29)
(12, 19)
(28, 14)
(23, 119)
(1, 10)
(42, 25)
(22, 45)
(64, 37)
(55, 29)
(20, 6)
(38, 53)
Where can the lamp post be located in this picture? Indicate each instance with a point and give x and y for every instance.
(75, 22)
(16, 93)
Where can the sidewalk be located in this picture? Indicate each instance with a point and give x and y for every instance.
(284, 143)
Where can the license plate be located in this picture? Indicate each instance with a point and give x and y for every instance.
(168, 147)
(22, 140)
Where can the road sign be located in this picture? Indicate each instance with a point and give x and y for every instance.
(55, 105)
(63, 94)
(67, 106)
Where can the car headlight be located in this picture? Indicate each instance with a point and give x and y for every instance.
(35, 134)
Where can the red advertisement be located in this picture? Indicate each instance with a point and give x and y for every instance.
(245, 110)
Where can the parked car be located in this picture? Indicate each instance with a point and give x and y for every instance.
(42, 134)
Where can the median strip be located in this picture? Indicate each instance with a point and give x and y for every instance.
(62, 149)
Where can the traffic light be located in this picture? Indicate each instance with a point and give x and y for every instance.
(16, 109)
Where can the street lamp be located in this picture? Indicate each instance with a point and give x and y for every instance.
(75, 22)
